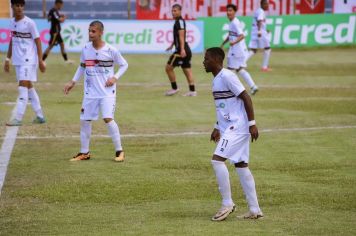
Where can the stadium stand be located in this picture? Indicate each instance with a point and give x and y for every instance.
(86, 9)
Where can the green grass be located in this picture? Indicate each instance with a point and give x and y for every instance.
(305, 179)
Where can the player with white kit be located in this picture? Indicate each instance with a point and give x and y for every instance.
(25, 50)
(97, 60)
(236, 59)
(259, 35)
(233, 130)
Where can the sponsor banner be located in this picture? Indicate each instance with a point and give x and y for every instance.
(127, 36)
(348, 6)
(291, 31)
(192, 9)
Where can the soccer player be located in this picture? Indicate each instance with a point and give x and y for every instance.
(97, 63)
(236, 59)
(234, 127)
(25, 50)
(259, 35)
(56, 19)
(182, 55)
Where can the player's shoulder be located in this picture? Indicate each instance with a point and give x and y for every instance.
(88, 46)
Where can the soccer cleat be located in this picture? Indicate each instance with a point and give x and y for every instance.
(39, 120)
(223, 213)
(14, 122)
(254, 90)
(81, 157)
(171, 92)
(69, 62)
(119, 156)
(266, 69)
(251, 216)
(190, 94)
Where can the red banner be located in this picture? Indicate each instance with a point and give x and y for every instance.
(310, 6)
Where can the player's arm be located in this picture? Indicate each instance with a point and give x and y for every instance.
(238, 39)
(77, 76)
(62, 18)
(259, 26)
(39, 55)
(8, 57)
(215, 135)
(123, 65)
(182, 42)
(224, 42)
(250, 114)
(170, 47)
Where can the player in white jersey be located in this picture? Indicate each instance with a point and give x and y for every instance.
(233, 130)
(259, 35)
(236, 59)
(25, 50)
(97, 64)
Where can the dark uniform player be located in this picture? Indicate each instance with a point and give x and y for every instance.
(56, 19)
(182, 55)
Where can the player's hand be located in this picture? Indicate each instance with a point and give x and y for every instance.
(68, 87)
(183, 53)
(232, 43)
(110, 82)
(7, 66)
(42, 66)
(169, 48)
(254, 133)
(259, 34)
(215, 136)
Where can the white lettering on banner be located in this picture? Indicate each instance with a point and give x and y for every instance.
(287, 34)
(323, 33)
(277, 31)
(306, 29)
(349, 28)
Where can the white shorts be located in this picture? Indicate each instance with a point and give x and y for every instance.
(91, 106)
(234, 62)
(26, 73)
(260, 42)
(233, 146)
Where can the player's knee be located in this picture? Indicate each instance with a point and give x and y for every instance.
(107, 120)
(268, 48)
(218, 158)
(169, 68)
(241, 164)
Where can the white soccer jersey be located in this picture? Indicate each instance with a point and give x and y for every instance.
(23, 33)
(239, 49)
(99, 67)
(259, 15)
(230, 110)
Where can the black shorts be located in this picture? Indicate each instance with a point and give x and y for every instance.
(55, 39)
(176, 60)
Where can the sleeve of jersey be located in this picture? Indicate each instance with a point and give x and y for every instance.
(260, 15)
(238, 29)
(80, 71)
(34, 31)
(119, 60)
(234, 84)
(181, 25)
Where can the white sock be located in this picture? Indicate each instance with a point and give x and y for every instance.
(85, 133)
(21, 102)
(114, 133)
(248, 185)
(222, 176)
(266, 55)
(247, 77)
(250, 54)
(35, 102)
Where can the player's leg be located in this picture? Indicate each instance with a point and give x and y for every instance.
(172, 62)
(252, 49)
(265, 43)
(107, 106)
(187, 70)
(52, 42)
(248, 79)
(63, 51)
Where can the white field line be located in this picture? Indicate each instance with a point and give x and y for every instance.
(6, 149)
(189, 133)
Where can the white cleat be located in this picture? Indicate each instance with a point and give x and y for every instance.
(70, 62)
(171, 92)
(223, 213)
(251, 216)
(254, 90)
(190, 94)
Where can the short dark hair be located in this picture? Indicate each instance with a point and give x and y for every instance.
(217, 52)
(97, 23)
(14, 2)
(58, 1)
(177, 6)
(263, 1)
(231, 6)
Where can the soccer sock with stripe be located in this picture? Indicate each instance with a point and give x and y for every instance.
(247, 77)
(85, 133)
(222, 176)
(250, 54)
(114, 133)
(65, 57)
(266, 55)
(192, 88)
(174, 85)
(248, 185)
(21, 102)
(35, 102)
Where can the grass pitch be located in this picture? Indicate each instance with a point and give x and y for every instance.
(305, 177)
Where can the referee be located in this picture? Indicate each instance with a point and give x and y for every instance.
(182, 55)
(56, 19)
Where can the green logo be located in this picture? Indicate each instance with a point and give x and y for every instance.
(72, 35)
(222, 105)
